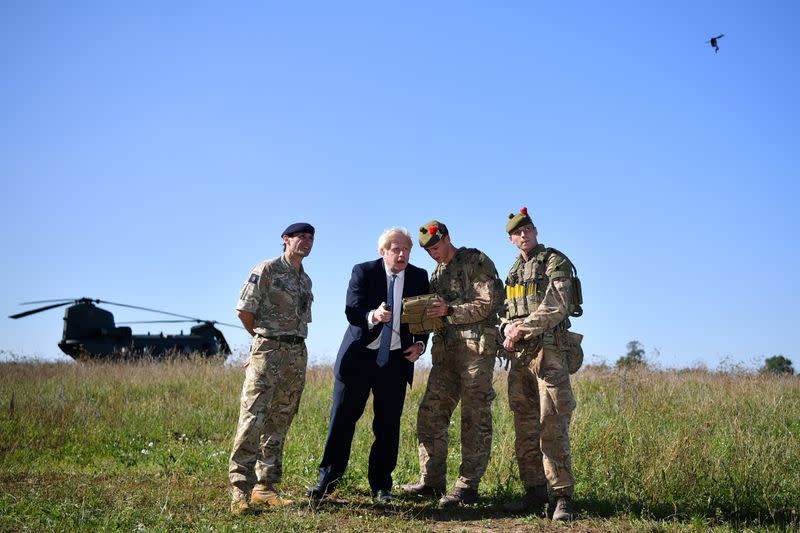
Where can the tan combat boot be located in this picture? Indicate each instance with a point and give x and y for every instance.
(239, 505)
(265, 496)
(458, 496)
(421, 489)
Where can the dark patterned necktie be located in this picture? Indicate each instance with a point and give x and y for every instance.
(386, 333)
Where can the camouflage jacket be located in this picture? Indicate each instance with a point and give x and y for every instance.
(470, 284)
(279, 296)
(538, 292)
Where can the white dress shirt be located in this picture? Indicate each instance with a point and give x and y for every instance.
(396, 310)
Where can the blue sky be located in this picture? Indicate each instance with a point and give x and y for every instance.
(151, 153)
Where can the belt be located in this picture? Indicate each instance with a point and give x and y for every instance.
(290, 339)
(461, 333)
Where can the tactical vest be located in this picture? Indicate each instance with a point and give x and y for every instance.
(525, 289)
(526, 286)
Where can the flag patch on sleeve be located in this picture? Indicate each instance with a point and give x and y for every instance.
(253, 278)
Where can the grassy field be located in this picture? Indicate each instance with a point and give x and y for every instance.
(145, 446)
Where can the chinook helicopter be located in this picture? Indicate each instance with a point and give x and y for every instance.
(91, 333)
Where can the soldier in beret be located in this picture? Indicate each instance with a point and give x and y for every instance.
(539, 300)
(275, 308)
(462, 355)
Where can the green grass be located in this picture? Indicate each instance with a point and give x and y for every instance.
(145, 446)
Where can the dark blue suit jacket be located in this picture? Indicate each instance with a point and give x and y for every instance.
(367, 289)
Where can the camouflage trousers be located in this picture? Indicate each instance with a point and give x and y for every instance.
(462, 370)
(540, 395)
(273, 384)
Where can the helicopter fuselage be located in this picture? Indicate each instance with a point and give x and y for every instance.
(90, 333)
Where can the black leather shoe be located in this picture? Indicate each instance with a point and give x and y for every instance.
(318, 491)
(382, 497)
(459, 496)
(421, 489)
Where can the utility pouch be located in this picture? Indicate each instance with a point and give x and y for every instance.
(574, 352)
(414, 314)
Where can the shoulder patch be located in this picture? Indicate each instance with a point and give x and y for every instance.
(253, 279)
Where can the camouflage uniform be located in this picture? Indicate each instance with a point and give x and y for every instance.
(463, 362)
(539, 390)
(280, 297)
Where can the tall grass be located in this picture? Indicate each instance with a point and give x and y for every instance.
(145, 445)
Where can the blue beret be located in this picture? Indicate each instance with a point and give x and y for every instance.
(298, 227)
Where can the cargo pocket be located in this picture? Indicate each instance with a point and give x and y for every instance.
(557, 399)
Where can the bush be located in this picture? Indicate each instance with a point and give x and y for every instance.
(777, 364)
(634, 358)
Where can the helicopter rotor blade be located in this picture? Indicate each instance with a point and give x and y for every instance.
(39, 309)
(50, 301)
(151, 310)
(211, 322)
(153, 322)
(66, 301)
(214, 322)
(188, 318)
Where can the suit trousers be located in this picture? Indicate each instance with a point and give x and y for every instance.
(388, 388)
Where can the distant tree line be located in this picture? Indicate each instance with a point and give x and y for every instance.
(634, 358)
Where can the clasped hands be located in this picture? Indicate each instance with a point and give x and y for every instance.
(512, 334)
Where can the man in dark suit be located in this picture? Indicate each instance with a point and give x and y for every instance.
(377, 355)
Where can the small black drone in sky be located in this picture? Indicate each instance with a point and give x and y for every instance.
(713, 42)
